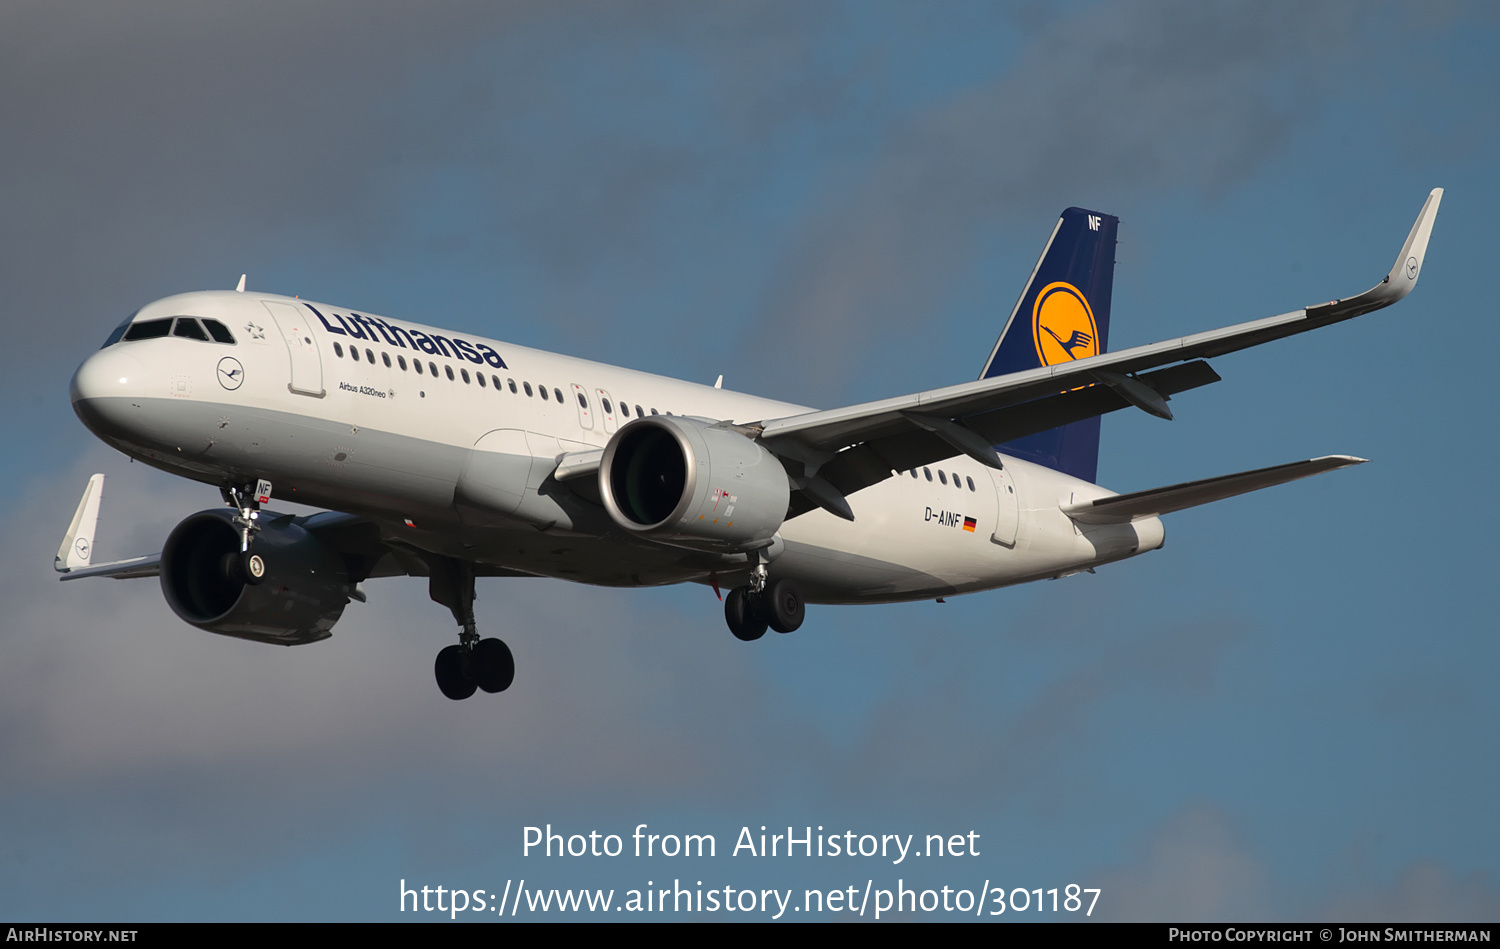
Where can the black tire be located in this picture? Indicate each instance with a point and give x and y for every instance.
(743, 614)
(494, 666)
(252, 568)
(783, 606)
(449, 670)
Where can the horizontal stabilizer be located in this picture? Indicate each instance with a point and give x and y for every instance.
(1129, 507)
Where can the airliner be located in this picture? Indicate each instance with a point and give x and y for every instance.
(443, 455)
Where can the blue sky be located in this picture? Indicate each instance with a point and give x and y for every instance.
(1288, 713)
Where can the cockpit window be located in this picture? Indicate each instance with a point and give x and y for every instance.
(188, 328)
(150, 329)
(219, 332)
(119, 331)
(184, 327)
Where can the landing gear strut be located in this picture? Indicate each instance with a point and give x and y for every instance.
(473, 663)
(246, 566)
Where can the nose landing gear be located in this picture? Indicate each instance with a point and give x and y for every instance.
(246, 566)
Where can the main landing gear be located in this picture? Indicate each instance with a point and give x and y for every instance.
(749, 609)
(473, 663)
(245, 565)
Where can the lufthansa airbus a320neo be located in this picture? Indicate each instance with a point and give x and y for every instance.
(451, 457)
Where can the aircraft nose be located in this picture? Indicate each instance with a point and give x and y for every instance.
(103, 388)
(108, 373)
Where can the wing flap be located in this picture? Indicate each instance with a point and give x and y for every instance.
(1157, 501)
(873, 461)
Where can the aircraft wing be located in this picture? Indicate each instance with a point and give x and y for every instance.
(149, 566)
(850, 448)
(357, 539)
(74, 556)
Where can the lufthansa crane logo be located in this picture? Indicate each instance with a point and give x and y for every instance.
(231, 373)
(1062, 325)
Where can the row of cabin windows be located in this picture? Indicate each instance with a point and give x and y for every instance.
(186, 327)
(943, 476)
(432, 369)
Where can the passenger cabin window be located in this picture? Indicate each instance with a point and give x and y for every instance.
(386, 358)
(417, 365)
(463, 372)
(338, 350)
(150, 329)
(527, 387)
(558, 393)
(401, 361)
(542, 390)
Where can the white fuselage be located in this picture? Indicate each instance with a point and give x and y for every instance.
(288, 402)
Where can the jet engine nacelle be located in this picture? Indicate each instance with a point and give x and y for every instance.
(693, 484)
(302, 595)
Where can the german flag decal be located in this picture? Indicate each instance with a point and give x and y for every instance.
(969, 524)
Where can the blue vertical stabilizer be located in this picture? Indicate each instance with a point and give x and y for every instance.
(1063, 315)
